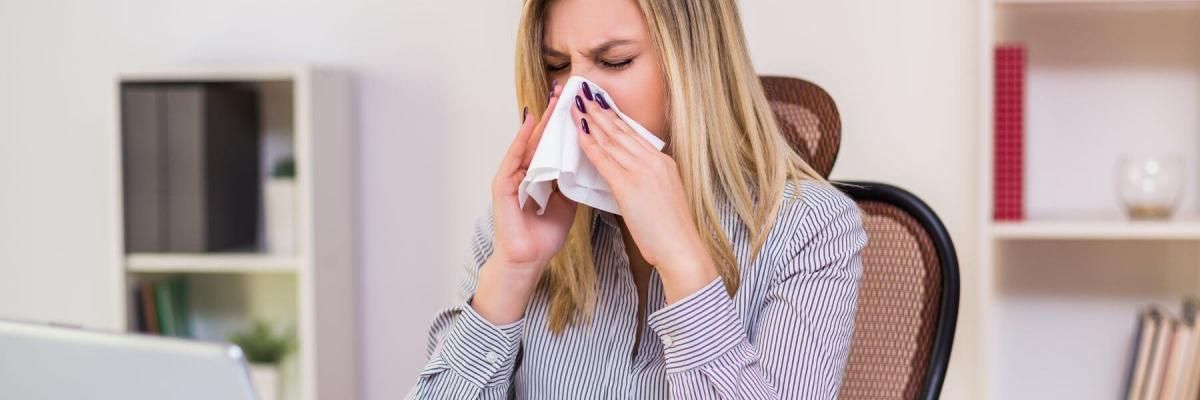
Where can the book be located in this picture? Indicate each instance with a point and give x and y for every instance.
(170, 299)
(211, 159)
(179, 295)
(1148, 323)
(149, 312)
(1191, 385)
(1009, 147)
(1176, 362)
(139, 310)
(142, 174)
(164, 309)
(1156, 369)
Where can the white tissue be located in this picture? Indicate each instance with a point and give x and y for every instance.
(559, 157)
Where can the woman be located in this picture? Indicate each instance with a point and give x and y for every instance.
(733, 269)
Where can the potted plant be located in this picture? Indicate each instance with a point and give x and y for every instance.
(264, 348)
(279, 202)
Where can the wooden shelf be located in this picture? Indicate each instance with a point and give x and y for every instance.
(212, 263)
(1097, 229)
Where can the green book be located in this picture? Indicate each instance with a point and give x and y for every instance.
(181, 312)
(170, 300)
(164, 308)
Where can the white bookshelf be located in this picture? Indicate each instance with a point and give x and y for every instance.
(305, 112)
(1059, 291)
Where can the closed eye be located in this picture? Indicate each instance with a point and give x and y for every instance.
(613, 65)
(617, 65)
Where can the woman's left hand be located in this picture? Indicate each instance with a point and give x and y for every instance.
(647, 187)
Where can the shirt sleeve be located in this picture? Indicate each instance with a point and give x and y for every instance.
(469, 357)
(798, 346)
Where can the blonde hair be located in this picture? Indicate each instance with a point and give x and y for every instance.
(723, 138)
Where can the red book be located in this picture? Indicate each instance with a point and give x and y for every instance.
(149, 309)
(1009, 158)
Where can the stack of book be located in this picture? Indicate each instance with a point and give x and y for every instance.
(162, 307)
(1167, 355)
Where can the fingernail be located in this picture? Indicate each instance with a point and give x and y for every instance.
(525, 114)
(603, 103)
(585, 127)
(579, 104)
(587, 92)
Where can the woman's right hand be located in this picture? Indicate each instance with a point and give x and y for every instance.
(523, 241)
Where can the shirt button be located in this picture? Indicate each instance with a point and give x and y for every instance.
(668, 340)
(492, 357)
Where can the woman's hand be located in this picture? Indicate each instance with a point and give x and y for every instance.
(523, 241)
(646, 185)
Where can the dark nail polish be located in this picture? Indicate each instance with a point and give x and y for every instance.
(587, 92)
(585, 127)
(525, 114)
(603, 103)
(579, 104)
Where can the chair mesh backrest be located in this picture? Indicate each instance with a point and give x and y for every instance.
(899, 294)
(898, 305)
(808, 118)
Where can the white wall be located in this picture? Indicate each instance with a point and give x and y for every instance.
(435, 109)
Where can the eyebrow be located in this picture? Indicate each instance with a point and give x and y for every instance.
(603, 47)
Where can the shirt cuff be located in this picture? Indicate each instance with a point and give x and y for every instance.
(481, 352)
(698, 328)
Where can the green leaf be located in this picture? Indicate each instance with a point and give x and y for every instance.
(262, 344)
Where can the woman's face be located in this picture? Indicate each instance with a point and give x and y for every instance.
(607, 42)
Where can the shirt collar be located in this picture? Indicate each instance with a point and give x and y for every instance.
(604, 217)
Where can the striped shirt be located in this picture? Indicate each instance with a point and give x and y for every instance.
(784, 334)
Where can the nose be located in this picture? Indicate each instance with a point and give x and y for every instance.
(583, 67)
(578, 72)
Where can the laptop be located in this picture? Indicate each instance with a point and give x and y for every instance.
(51, 362)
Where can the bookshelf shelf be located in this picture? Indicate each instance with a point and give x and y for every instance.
(211, 263)
(1097, 229)
(293, 266)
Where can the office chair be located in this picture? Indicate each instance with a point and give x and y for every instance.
(908, 296)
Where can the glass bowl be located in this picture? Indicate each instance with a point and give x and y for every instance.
(1150, 186)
